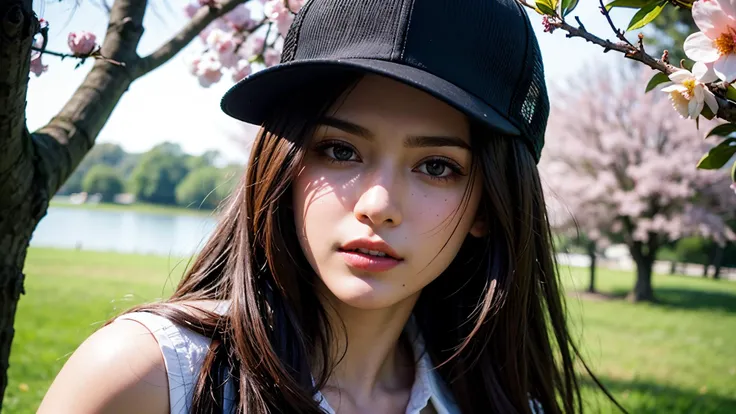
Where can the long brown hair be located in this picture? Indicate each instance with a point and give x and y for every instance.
(493, 322)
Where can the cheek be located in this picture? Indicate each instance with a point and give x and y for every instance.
(442, 221)
(436, 213)
(316, 206)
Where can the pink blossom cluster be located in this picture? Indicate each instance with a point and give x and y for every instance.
(618, 160)
(242, 42)
(547, 24)
(37, 67)
(82, 43)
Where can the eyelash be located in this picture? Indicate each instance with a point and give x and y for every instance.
(456, 170)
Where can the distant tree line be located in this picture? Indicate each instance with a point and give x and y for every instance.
(163, 175)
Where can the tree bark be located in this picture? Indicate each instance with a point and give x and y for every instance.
(718, 261)
(643, 255)
(643, 287)
(34, 166)
(20, 210)
(591, 254)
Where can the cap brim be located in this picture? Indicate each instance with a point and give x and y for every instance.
(253, 98)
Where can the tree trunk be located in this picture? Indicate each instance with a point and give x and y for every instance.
(34, 166)
(18, 204)
(643, 286)
(643, 256)
(718, 261)
(673, 267)
(591, 254)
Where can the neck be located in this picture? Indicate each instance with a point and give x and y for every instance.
(370, 356)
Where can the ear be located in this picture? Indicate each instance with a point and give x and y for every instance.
(479, 228)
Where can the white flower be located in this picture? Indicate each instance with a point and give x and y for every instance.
(689, 94)
(716, 42)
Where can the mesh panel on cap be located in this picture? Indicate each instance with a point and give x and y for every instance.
(292, 36)
(530, 107)
(338, 30)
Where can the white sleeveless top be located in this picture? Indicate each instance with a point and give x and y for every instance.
(184, 352)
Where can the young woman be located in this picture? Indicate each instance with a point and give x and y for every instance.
(388, 249)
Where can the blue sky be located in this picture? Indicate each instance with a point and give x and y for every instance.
(169, 105)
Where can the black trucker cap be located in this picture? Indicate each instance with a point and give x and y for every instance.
(479, 56)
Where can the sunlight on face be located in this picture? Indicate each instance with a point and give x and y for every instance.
(383, 202)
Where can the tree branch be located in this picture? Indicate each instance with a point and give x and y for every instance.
(199, 22)
(93, 55)
(726, 108)
(63, 142)
(628, 50)
(619, 32)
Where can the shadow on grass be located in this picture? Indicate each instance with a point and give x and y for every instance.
(688, 299)
(696, 299)
(646, 397)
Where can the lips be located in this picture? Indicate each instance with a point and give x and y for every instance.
(369, 255)
(377, 248)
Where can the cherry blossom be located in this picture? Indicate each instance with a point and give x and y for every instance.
(242, 69)
(271, 56)
(716, 41)
(252, 47)
(689, 94)
(37, 67)
(190, 10)
(223, 44)
(82, 43)
(207, 68)
(244, 40)
(619, 161)
(296, 5)
(275, 10)
(278, 12)
(241, 18)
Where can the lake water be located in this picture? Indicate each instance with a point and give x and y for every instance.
(123, 231)
(184, 235)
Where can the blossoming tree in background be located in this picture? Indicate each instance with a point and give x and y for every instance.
(241, 36)
(700, 86)
(617, 165)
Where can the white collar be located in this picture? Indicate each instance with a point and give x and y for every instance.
(429, 390)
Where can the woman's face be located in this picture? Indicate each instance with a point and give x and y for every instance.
(379, 204)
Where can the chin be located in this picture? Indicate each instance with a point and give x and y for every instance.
(363, 293)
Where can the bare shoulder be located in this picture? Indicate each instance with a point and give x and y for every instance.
(118, 369)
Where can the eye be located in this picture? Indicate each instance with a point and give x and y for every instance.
(435, 168)
(338, 152)
(438, 168)
(341, 152)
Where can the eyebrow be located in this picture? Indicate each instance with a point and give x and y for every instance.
(424, 142)
(409, 142)
(347, 126)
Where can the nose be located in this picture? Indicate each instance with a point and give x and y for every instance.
(378, 206)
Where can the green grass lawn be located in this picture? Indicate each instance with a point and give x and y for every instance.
(677, 356)
(137, 207)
